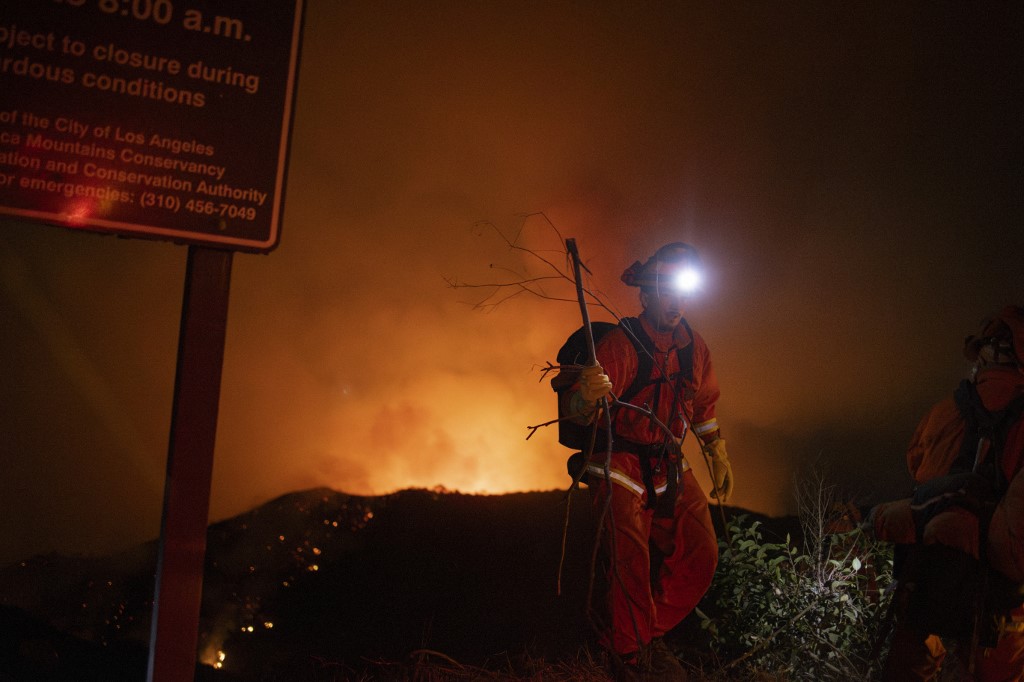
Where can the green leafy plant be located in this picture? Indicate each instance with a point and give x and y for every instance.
(811, 611)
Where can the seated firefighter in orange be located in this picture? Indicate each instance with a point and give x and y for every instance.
(960, 538)
(659, 537)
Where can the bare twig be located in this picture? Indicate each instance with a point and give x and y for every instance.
(531, 284)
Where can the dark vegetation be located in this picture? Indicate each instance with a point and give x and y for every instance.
(421, 584)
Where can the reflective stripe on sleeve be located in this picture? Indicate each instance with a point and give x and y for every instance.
(706, 427)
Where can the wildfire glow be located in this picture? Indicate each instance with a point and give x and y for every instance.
(212, 654)
(461, 442)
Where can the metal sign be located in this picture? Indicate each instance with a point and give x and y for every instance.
(166, 119)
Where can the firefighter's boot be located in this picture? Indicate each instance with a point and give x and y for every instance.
(664, 666)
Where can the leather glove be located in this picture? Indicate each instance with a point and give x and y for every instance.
(892, 522)
(721, 470)
(594, 384)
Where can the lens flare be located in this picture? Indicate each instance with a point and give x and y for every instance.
(687, 281)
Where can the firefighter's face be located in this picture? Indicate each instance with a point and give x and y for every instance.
(663, 308)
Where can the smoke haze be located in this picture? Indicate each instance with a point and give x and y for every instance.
(851, 175)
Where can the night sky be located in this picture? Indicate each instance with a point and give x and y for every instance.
(851, 172)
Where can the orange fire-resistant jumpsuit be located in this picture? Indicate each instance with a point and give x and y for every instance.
(917, 654)
(681, 536)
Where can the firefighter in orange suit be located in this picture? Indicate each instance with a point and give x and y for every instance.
(960, 539)
(658, 513)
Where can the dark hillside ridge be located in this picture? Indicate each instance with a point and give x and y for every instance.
(320, 577)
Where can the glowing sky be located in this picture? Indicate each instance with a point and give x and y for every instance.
(851, 173)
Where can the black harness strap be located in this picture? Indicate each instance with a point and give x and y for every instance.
(644, 346)
(980, 424)
(658, 452)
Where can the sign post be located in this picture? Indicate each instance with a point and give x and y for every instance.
(170, 120)
(179, 578)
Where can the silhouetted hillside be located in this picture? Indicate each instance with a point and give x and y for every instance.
(319, 579)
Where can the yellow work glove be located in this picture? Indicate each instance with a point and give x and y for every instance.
(721, 471)
(594, 385)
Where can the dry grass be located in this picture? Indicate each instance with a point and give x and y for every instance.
(433, 666)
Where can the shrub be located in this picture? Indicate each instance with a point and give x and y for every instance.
(776, 609)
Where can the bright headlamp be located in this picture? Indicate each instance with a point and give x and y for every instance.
(684, 280)
(674, 270)
(687, 281)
